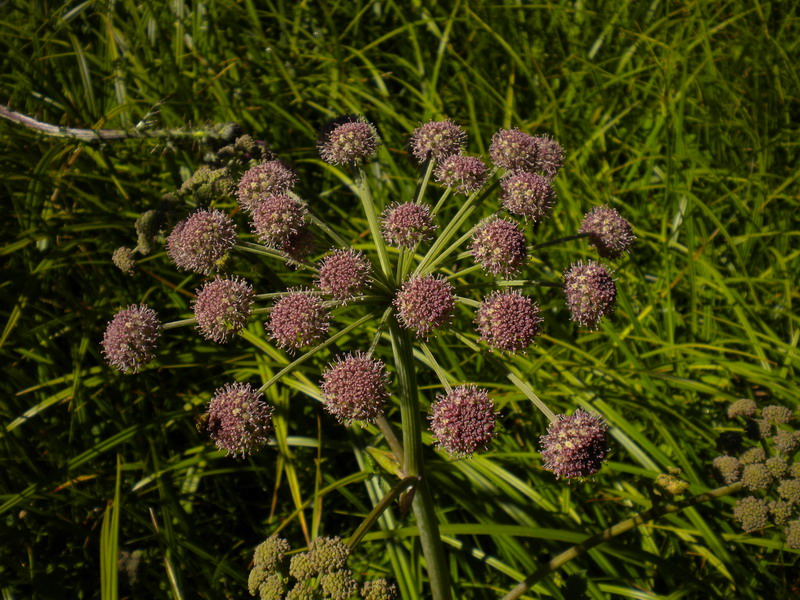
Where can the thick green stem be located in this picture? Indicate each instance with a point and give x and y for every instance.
(612, 532)
(413, 465)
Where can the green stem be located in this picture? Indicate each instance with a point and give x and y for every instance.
(422, 184)
(375, 514)
(566, 238)
(272, 253)
(612, 532)
(368, 204)
(441, 202)
(455, 223)
(181, 323)
(413, 465)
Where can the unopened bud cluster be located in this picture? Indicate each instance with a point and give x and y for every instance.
(771, 476)
(319, 573)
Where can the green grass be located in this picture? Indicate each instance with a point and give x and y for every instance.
(682, 116)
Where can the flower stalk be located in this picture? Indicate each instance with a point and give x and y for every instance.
(413, 465)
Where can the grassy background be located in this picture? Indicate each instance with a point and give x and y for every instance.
(681, 115)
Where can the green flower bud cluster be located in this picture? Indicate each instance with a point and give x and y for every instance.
(768, 470)
(320, 573)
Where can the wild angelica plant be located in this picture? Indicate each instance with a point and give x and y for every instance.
(402, 283)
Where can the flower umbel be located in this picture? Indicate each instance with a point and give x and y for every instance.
(348, 140)
(465, 174)
(437, 140)
(463, 421)
(130, 339)
(575, 445)
(354, 388)
(343, 273)
(201, 241)
(514, 150)
(424, 304)
(407, 224)
(591, 293)
(508, 321)
(263, 180)
(239, 421)
(498, 245)
(608, 231)
(222, 308)
(528, 195)
(277, 218)
(298, 320)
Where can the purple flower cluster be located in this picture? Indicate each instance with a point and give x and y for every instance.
(131, 337)
(608, 231)
(514, 150)
(591, 293)
(201, 241)
(498, 245)
(239, 421)
(277, 219)
(298, 320)
(508, 321)
(222, 307)
(343, 273)
(263, 180)
(463, 421)
(437, 140)
(354, 388)
(528, 195)
(424, 304)
(407, 224)
(517, 151)
(348, 140)
(575, 445)
(465, 174)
